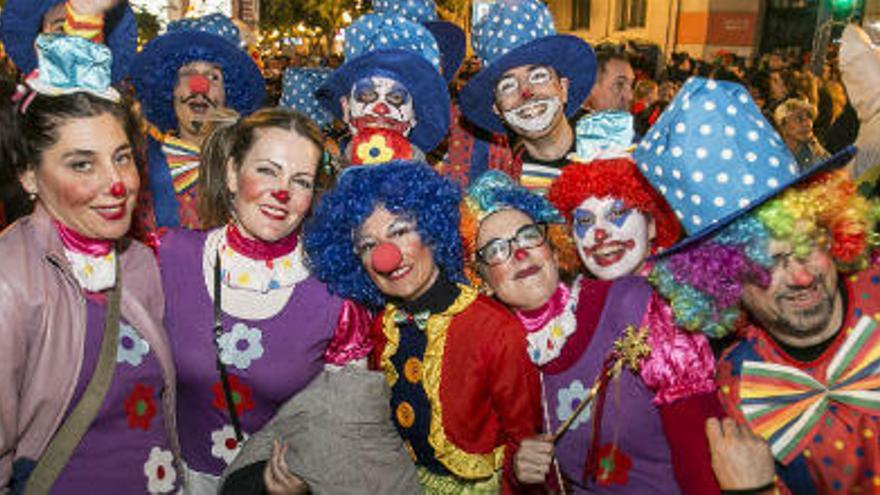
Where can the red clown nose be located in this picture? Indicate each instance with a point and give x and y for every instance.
(386, 257)
(199, 84)
(118, 189)
(281, 195)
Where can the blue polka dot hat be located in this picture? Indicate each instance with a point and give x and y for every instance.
(212, 38)
(450, 38)
(298, 87)
(397, 48)
(514, 33)
(714, 157)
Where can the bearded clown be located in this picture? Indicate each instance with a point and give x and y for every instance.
(187, 81)
(617, 219)
(532, 80)
(389, 92)
(782, 258)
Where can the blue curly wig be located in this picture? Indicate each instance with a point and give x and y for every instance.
(407, 188)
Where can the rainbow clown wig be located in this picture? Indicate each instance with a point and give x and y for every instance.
(704, 282)
(617, 178)
(407, 188)
(495, 191)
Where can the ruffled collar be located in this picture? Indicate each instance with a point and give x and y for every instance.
(550, 326)
(92, 261)
(260, 266)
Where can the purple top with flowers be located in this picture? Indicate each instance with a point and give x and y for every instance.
(127, 445)
(268, 359)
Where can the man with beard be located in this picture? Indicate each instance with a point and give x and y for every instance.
(184, 79)
(782, 258)
(531, 81)
(389, 93)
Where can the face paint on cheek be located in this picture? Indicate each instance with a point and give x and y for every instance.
(618, 214)
(583, 221)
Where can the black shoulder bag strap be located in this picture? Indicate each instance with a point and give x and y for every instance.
(218, 331)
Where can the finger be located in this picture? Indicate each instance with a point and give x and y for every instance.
(729, 427)
(272, 485)
(713, 431)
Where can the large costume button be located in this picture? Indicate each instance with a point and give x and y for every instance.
(406, 415)
(412, 370)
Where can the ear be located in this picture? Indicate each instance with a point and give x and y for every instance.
(563, 81)
(496, 111)
(28, 180)
(652, 228)
(231, 176)
(346, 112)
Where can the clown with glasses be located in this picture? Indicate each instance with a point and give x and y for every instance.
(518, 249)
(389, 93)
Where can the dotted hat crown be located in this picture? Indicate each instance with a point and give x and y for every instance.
(509, 24)
(416, 10)
(298, 86)
(216, 24)
(373, 32)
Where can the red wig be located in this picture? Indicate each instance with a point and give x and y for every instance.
(617, 178)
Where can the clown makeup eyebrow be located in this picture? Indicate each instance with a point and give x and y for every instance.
(398, 96)
(364, 91)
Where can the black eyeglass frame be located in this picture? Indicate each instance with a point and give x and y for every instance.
(541, 228)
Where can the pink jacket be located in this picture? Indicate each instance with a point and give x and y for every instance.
(42, 333)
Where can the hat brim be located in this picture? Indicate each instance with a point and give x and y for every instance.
(22, 20)
(156, 68)
(428, 88)
(571, 57)
(839, 159)
(451, 40)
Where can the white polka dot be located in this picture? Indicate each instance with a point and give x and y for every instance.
(792, 168)
(679, 194)
(774, 162)
(718, 201)
(705, 129)
(656, 135)
(663, 189)
(679, 214)
(697, 176)
(729, 131)
(711, 85)
(751, 157)
(709, 106)
(731, 110)
(743, 98)
(702, 153)
(743, 202)
(726, 154)
(752, 135)
(696, 199)
(696, 220)
(676, 173)
(680, 127)
(759, 124)
(513, 38)
(722, 178)
(686, 105)
(748, 179)
(772, 182)
(644, 167)
(676, 151)
(658, 171)
(659, 150)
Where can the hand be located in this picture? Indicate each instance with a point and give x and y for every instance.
(531, 463)
(92, 7)
(740, 459)
(277, 478)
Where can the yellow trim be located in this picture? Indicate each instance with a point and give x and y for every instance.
(460, 463)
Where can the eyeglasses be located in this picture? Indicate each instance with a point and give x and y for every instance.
(498, 251)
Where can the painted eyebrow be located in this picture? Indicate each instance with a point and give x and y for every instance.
(281, 167)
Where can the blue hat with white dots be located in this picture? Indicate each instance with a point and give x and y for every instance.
(450, 38)
(397, 48)
(714, 157)
(514, 33)
(212, 38)
(298, 86)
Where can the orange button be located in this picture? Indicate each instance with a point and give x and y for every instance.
(412, 370)
(406, 415)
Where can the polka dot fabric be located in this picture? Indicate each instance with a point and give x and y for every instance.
(216, 24)
(416, 10)
(509, 24)
(374, 32)
(298, 86)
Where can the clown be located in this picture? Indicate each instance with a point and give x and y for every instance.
(617, 219)
(782, 258)
(184, 80)
(463, 392)
(532, 80)
(389, 93)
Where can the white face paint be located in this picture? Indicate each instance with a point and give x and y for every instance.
(528, 98)
(612, 240)
(534, 116)
(381, 103)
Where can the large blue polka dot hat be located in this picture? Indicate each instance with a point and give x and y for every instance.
(714, 157)
(450, 38)
(514, 33)
(394, 47)
(298, 86)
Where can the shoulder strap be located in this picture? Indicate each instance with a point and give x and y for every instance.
(218, 331)
(70, 433)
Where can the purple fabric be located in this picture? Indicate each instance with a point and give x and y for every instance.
(112, 454)
(293, 345)
(632, 419)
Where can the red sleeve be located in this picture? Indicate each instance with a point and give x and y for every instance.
(351, 339)
(684, 425)
(377, 340)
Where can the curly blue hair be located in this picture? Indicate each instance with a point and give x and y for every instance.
(409, 188)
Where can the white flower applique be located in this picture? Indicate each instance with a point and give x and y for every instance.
(132, 347)
(241, 346)
(160, 472)
(568, 400)
(224, 444)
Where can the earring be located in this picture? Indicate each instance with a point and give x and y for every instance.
(32, 196)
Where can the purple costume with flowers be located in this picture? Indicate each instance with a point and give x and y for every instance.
(268, 359)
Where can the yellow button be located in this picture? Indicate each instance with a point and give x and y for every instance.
(412, 370)
(406, 415)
